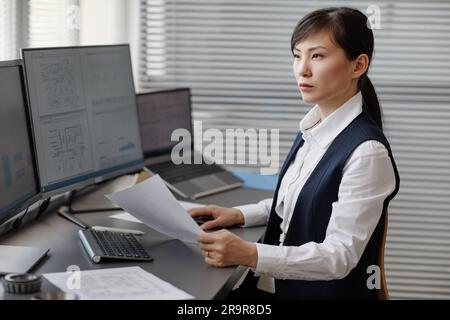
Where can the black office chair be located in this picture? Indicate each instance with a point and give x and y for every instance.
(383, 293)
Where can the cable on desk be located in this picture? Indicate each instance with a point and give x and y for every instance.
(44, 205)
(18, 222)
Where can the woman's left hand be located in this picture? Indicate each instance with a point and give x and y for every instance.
(223, 248)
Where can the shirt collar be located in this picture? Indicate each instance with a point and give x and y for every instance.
(324, 132)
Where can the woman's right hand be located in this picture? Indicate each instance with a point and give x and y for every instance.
(221, 216)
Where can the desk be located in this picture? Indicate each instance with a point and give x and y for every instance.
(175, 262)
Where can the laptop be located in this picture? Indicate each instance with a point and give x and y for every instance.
(160, 113)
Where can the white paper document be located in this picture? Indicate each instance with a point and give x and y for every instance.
(125, 217)
(131, 283)
(153, 204)
(128, 217)
(190, 205)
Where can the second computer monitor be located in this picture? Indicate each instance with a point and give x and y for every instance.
(18, 181)
(84, 114)
(161, 112)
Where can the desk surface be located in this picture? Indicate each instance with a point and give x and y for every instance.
(174, 261)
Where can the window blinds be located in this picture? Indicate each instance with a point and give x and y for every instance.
(235, 56)
(9, 29)
(47, 23)
(103, 22)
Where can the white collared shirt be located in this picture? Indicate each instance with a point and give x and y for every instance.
(368, 179)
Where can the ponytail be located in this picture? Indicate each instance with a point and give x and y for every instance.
(371, 105)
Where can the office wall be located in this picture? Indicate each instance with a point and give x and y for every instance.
(235, 55)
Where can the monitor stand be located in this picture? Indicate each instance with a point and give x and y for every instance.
(92, 198)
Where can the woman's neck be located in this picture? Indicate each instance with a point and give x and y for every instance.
(328, 107)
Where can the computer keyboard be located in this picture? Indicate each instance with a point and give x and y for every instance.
(102, 245)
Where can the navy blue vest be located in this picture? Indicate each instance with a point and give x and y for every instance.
(313, 210)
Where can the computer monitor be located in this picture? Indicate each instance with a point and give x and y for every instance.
(160, 113)
(84, 115)
(19, 187)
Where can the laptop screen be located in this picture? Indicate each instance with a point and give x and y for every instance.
(160, 113)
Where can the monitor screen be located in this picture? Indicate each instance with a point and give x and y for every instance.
(160, 113)
(84, 114)
(18, 180)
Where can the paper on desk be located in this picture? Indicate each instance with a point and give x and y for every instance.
(152, 203)
(132, 283)
(128, 217)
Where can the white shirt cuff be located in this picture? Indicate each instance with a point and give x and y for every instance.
(269, 257)
(253, 215)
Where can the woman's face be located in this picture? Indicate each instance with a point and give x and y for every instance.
(324, 74)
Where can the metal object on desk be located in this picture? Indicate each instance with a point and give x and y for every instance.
(22, 283)
(64, 212)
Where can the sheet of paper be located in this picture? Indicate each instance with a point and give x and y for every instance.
(190, 205)
(128, 217)
(131, 283)
(125, 217)
(152, 203)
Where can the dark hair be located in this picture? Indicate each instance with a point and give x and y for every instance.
(349, 29)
